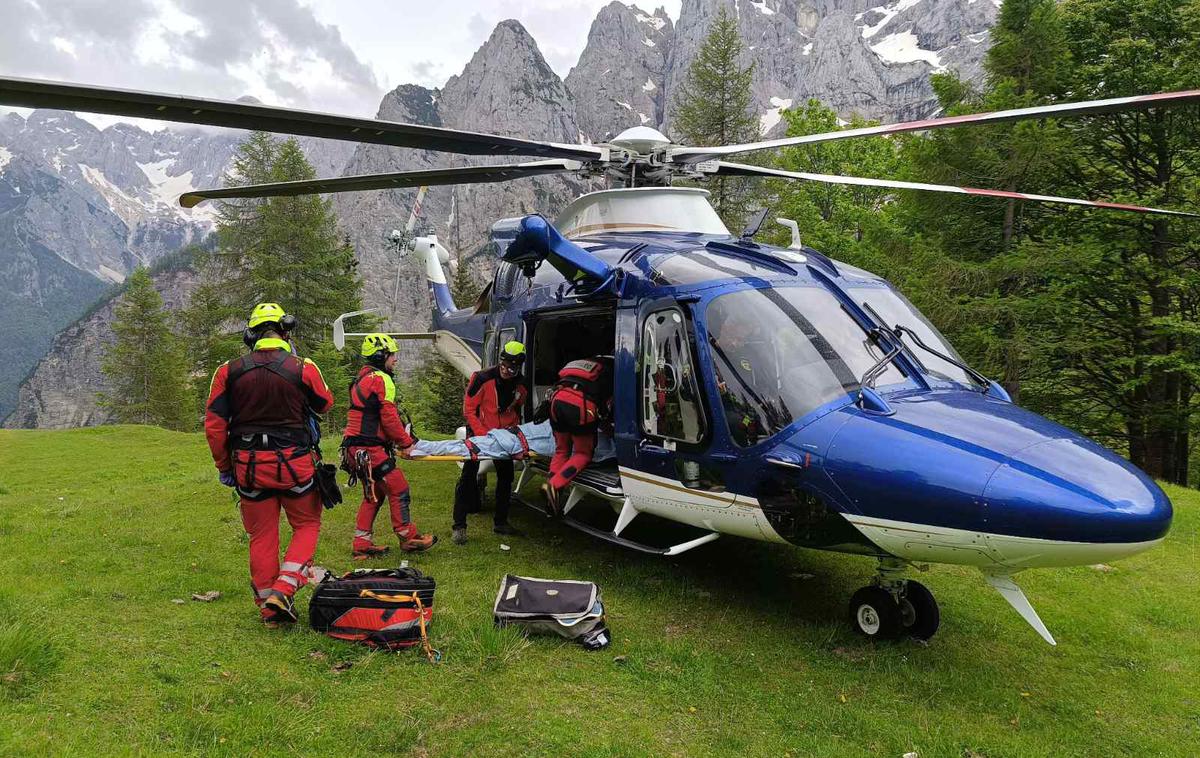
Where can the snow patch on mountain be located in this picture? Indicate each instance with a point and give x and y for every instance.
(762, 7)
(904, 47)
(889, 12)
(5, 157)
(656, 22)
(768, 120)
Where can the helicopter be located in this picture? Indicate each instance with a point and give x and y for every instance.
(759, 391)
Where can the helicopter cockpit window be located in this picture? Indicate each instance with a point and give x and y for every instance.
(894, 308)
(671, 406)
(779, 353)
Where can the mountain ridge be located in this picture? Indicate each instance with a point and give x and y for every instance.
(97, 198)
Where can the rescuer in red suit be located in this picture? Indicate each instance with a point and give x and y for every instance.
(257, 429)
(577, 406)
(374, 429)
(493, 400)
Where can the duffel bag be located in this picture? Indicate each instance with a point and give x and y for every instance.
(389, 609)
(566, 607)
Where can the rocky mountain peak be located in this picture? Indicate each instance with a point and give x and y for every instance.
(620, 80)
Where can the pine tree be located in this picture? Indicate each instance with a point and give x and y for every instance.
(280, 249)
(146, 366)
(713, 107)
(998, 256)
(1130, 329)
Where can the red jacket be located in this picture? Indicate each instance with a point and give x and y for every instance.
(481, 404)
(373, 418)
(272, 397)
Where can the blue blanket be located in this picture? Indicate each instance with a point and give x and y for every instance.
(503, 444)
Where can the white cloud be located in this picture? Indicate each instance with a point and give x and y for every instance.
(326, 55)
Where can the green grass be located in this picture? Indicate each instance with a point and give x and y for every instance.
(737, 648)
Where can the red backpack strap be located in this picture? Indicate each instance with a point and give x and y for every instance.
(524, 442)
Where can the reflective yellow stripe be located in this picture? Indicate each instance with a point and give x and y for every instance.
(272, 343)
(389, 387)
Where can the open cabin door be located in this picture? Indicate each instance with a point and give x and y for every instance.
(673, 427)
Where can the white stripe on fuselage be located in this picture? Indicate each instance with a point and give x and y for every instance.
(938, 544)
(923, 543)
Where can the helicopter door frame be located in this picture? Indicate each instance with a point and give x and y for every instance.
(669, 474)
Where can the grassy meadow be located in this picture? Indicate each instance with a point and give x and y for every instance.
(737, 648)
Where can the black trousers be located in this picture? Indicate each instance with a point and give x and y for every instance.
(466, 494)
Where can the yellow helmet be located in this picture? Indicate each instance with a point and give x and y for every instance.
(265, 313)
(513, 352)
(378, 343)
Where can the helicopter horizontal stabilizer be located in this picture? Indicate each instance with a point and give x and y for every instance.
(340, 334)
(1009, 590)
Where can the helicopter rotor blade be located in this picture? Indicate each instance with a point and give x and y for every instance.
(1087, 108)
(36, 93)
(740, 169)
(438, 176)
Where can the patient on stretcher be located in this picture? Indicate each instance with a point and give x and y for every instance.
(503, 444)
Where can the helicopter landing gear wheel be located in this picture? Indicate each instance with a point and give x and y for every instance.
(919, 614)
(875, 614)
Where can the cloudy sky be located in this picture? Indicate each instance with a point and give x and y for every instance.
(330, 55)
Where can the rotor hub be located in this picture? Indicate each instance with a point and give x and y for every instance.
(641, 140)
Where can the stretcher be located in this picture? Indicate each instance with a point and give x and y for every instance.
(528, 440)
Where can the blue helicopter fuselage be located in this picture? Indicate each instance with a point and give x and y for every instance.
(921, 464)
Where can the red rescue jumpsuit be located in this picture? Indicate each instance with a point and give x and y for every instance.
(373, 424)
(256, 425)
(579, 403)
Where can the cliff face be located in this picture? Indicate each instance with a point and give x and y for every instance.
(869, 57)
(506, 88)
(61, 393)
(620, 80)
(80, 206)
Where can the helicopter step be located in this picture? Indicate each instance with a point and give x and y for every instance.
(604, 484)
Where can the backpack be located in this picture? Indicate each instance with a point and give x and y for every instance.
(565, 607)
(574, 401)
(388, 609)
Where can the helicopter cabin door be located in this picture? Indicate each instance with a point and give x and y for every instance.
(673, 476)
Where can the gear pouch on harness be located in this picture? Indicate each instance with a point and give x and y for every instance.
(565, 607)
(388, 609)
(264, 469)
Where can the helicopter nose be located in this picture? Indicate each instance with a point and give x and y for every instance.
(1073, 490)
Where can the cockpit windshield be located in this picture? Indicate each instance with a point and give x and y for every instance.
(779, 353)
(892, 308)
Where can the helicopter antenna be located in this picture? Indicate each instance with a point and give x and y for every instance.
(754, 225)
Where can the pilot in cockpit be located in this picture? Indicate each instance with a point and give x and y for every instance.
(746, 370)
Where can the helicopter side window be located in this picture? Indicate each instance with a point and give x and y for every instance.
(781, 352)
(670, 398)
